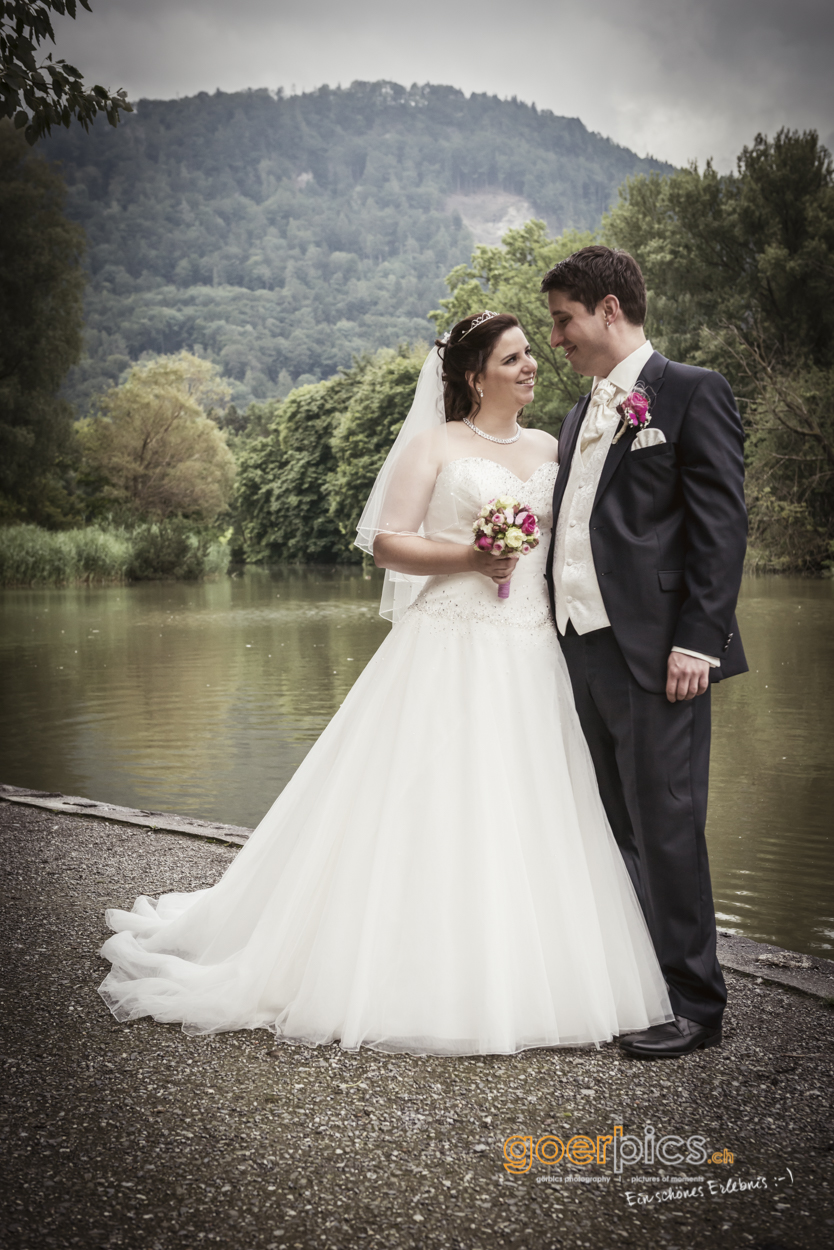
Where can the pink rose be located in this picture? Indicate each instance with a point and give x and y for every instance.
(525, 549)
(635, 409)
(497, 519)
(498, 546)
(528, 525)
(484, 543)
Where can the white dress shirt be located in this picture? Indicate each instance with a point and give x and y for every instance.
(577, 592)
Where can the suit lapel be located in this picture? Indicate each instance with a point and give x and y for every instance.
(568, 436)
(652, 379)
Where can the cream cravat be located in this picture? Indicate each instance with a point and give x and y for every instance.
(603, 410)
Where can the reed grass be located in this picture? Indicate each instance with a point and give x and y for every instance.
(31, 556)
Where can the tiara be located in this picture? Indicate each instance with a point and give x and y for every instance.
(485, 316)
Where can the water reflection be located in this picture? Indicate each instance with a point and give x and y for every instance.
(199, 698)
(204, 698)
(772, 792)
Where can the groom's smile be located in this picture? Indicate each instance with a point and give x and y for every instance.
(580, 334)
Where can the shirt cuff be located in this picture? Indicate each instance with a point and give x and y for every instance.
(697, 655)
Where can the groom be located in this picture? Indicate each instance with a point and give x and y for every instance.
(645, 563)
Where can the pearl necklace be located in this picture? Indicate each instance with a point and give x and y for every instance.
(492, 437)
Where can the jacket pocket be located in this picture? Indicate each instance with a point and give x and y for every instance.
(655, 449)
(670, 579)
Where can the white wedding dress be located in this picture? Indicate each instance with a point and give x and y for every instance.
(439, 875)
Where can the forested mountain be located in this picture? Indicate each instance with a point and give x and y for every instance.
(280, 236)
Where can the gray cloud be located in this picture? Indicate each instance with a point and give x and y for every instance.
(680, 79)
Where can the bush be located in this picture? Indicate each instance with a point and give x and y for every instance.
(167, 549)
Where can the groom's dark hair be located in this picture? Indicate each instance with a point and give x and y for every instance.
(594, 272)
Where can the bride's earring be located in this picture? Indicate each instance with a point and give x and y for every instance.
(480, 392)
(607, 324)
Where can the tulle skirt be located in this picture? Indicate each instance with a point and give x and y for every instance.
(438, 877)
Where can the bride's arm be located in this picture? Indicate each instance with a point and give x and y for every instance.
(423, 557)
(399, 547)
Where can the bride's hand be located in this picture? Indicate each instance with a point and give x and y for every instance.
(499, 568)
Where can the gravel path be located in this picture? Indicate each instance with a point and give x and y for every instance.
(137, 1136)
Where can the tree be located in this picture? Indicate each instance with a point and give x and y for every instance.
(366, 431)
(41, 319)
(739, 271)
(301, 488)
(507, 279)
(282, 507)
(153, 447)
(40, 97)
(789, 416)
(756, 246)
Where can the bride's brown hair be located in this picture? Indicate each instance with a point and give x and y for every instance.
(467, 351)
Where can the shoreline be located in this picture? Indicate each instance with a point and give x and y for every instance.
(90, 581)
(767, 964)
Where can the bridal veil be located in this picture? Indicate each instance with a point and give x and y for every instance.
(400, 496)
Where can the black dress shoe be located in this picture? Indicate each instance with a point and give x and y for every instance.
(668, 1041)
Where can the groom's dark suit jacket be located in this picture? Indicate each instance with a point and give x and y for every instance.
(669, 525)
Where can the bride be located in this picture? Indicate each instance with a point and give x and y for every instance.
(439, 875)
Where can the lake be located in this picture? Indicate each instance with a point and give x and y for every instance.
(202, 698)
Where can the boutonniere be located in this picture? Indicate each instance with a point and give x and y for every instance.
(634, 411)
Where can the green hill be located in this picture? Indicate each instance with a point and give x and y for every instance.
(280, 236)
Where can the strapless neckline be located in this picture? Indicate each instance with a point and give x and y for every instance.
(523, 481)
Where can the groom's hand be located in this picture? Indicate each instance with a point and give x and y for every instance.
(686, 677)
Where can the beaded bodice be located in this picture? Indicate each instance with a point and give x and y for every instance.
(470, 483)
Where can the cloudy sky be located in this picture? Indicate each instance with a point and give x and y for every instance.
(676, 79)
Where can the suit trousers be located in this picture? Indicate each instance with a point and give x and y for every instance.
(652, 765)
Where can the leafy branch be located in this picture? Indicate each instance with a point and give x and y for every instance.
(779, 392)
(38, 97)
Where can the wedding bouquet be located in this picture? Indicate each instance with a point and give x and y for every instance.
(505, 525)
